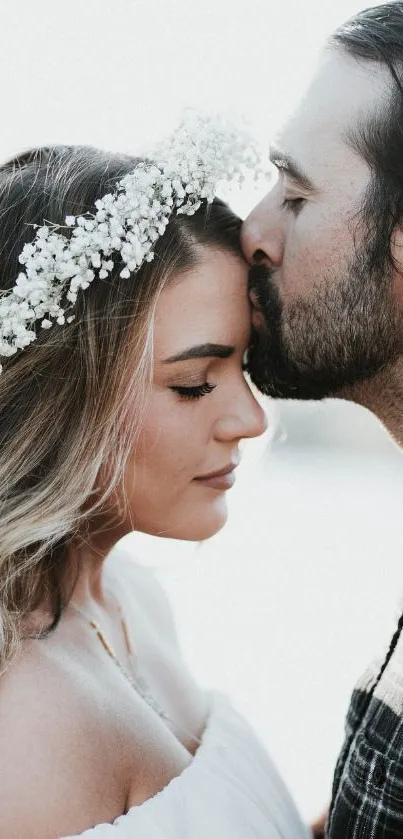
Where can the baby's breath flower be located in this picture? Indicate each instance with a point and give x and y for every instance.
(125, 225)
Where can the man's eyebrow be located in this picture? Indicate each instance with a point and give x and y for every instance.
(202, 351)
(287, 164)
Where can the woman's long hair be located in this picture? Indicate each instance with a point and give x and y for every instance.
(72, 401)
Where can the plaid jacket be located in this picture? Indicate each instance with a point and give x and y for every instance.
(367, 800)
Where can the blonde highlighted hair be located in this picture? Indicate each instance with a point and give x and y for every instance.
(72, 402)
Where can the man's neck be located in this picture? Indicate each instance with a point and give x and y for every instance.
(383, 396)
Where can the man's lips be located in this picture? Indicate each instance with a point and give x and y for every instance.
(257, 315)
(258, 320)
(254, 298)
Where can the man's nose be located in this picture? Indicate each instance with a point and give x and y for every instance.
(262, 234)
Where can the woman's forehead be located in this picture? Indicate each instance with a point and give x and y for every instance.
(208, 303)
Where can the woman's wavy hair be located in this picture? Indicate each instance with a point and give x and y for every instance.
(72, 402)
(376, 35)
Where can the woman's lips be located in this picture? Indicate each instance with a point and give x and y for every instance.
(222, 480)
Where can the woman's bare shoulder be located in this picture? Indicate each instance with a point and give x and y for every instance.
(55, 752)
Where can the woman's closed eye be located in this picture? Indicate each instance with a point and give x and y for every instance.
(194, 392)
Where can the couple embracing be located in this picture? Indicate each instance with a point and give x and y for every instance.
(133, 301)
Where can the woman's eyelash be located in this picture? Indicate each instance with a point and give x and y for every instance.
(195, 392)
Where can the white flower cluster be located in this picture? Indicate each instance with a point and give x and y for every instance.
(124, 227)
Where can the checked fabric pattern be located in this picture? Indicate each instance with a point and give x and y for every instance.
(367, 800)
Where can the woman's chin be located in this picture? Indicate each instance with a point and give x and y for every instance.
(193, 523)
(201, 525)
(208, 522)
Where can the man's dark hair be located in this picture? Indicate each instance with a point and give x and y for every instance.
(376, 35)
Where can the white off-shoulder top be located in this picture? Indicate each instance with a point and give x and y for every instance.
(230, 790)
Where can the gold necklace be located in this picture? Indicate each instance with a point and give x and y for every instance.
(137, 682)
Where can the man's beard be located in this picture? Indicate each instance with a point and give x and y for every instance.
(314, 347)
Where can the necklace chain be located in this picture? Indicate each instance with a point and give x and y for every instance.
(137, 682)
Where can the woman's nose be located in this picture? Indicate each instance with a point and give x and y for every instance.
(244, 418)
(258, 422)
(262, 234)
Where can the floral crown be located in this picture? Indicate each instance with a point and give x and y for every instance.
(124, 226)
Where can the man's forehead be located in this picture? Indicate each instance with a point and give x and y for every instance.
(341, 93)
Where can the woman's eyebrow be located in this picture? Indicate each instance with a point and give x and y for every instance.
(202, 351)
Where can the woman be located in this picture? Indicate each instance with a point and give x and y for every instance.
(122, 406)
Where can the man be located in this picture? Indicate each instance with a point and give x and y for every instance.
(326, 247)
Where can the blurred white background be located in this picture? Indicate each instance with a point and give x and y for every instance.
(284, 608)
